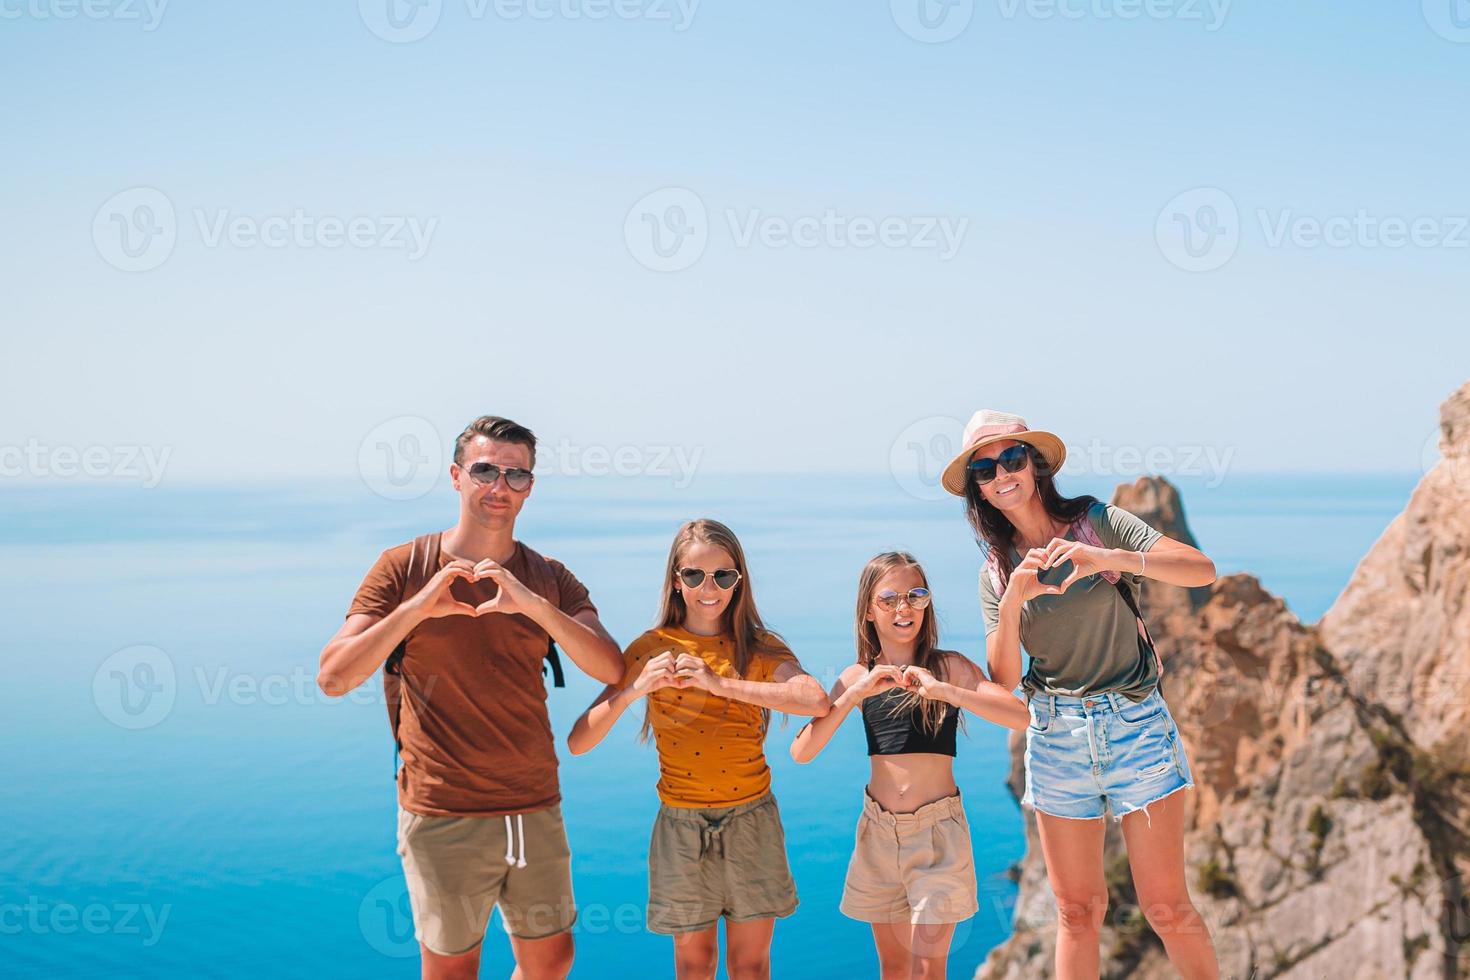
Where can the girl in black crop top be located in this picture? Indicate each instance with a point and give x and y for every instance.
(911, 875)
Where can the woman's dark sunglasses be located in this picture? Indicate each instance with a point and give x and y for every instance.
(725, 578)
(487, 473)
(1012, 460)
(916, 598)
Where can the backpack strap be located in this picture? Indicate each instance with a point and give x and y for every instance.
(423, 564)
(541, 579)
(1083, 530)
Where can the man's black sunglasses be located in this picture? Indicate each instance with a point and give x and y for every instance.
(516, 478)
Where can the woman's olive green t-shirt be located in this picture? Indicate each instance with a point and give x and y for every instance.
(1084, 641)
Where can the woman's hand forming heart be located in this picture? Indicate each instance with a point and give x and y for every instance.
(1024, 581)
(1086, 560)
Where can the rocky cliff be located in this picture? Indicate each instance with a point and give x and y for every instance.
(1329, 835)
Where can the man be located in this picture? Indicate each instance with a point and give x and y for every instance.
(479, 820)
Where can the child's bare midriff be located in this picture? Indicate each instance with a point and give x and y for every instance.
(903, 783)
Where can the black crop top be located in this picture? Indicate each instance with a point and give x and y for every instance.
(903, 733)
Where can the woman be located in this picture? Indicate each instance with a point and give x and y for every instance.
(1061, 578)
(912, 875)
(712, 674)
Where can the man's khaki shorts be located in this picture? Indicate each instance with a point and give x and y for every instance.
(717, 862)
(459, 868)
(912, 867)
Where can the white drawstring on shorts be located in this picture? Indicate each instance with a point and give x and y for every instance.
(520, 827)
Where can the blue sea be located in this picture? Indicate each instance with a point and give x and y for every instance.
(180, 800)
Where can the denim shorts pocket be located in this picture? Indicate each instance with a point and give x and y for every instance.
(1151, 710)
(1041, 715)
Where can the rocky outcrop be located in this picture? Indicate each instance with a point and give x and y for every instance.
(1329, 832)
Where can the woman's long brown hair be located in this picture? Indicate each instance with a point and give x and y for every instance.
(741, 622)
(926, 654)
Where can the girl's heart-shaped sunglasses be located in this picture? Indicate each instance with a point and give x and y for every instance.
(725, 578)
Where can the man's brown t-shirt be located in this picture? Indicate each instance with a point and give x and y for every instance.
(475, 733)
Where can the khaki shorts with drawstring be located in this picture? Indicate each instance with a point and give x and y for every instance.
(709, 863)
(459, 868)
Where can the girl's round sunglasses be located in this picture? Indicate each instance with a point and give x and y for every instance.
(916, 598)
(725, 578)
(1012, 460)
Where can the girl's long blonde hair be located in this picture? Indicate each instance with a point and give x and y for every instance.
(741, 622)
(926, 653)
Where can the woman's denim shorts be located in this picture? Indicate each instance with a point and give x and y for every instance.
(1085, 755)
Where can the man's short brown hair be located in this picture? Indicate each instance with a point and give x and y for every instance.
(500, 430)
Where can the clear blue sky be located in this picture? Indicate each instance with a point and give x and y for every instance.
(1057, 140)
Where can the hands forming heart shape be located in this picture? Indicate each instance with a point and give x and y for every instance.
(910, 677)
(511, 596)
(677, 670)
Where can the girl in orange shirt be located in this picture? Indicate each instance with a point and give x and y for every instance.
(712, 674)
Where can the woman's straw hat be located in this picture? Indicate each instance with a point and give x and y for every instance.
(988, 426)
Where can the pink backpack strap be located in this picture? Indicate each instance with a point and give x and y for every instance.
(1084, 532)
(992, 569)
